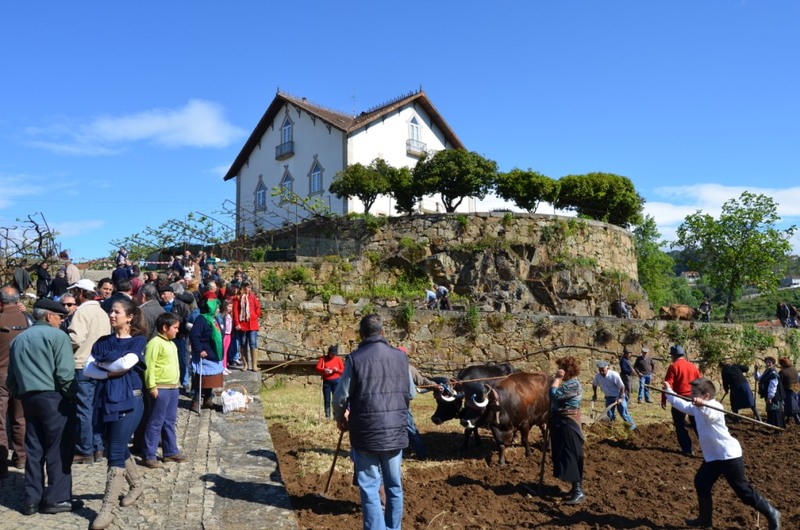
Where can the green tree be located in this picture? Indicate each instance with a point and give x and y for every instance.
(403, 190)
(742, 247)
(526, 189)
(601, 196)
(455, 174)
(364, 182)
(654, 265)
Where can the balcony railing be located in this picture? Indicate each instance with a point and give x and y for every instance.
(284, 150)
(415, 148)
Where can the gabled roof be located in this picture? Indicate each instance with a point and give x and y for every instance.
(339, 120)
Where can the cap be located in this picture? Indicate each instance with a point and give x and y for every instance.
(51, 305)
(84, 283)
(677, 351)
(166, 289)
(645, 349)
(333, 349)
(602, 364)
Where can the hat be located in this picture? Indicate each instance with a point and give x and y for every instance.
(186, 297)
(677, 351)
(166, 289)
(602, 364)
(51, 305)
(84, 283)
(333, 349)
(645, 349)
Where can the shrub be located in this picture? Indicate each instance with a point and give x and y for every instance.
(404, 315)
(272, 282)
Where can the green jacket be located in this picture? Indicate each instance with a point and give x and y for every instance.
(40, 359)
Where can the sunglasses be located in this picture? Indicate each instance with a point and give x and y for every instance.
(69, 305)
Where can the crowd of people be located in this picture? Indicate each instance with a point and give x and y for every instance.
(94, 372)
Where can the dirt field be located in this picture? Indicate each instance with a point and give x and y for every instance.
(632, 481)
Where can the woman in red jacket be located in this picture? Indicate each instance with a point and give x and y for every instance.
(246, 312)
(330, 367)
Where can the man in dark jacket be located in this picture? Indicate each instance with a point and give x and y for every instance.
(371, 402)
(12, 323)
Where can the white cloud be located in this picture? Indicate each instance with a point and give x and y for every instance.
(15, 186)
(78, 228)
(199, 123)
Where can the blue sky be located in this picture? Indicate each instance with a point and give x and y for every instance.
(117, 115)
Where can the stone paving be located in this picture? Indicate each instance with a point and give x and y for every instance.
(231, 481)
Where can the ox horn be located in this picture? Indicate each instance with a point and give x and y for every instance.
(480, 404)
(446, 397)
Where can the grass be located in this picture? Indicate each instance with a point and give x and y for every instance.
(296, 403)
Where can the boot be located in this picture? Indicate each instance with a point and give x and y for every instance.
(195, 406)
(114, 481)
(576, 495)
(208, 402)
(3, 462)
(773, 516)
(706, 509)
(134, 478)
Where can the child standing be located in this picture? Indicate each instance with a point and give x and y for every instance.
(722, 455)
(227, 329)
(162, 381)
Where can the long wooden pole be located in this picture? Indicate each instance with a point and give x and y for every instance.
(751, 420)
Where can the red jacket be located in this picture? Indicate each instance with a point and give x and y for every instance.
(255, 312)
(334, 363)
(679, 375)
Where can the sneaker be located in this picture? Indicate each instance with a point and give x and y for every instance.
(61, 507)
(152, 464)
(180, 458)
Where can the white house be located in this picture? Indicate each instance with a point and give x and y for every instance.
(301, 146)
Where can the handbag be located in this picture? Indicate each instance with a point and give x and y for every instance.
(235, 401)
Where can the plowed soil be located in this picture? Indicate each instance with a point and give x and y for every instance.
(633, 481)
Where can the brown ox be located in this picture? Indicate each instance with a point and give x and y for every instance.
(676, 312)
(517, 403)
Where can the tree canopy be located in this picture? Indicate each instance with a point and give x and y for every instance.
(601, 196)
(364, 182)
(455, 174)
(526, 189)
(742, 247)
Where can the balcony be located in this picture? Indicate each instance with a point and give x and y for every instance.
(415, 148)
(284, 150)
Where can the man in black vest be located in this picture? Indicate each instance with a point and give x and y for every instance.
(371, 402)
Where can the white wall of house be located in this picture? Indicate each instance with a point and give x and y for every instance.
(386, 138)
(314, 141)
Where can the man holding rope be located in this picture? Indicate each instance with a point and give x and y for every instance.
(722, 454)
(679, 376)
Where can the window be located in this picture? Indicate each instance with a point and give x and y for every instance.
(287, 181)
(261, 195)
(413, 129)
(286, 130)
(316, 179)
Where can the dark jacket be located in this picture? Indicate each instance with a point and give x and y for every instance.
(202, 340)
(379, 396)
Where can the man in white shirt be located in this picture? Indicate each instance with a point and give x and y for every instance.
(614, 391)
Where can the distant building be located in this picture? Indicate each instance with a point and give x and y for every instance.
(691, 277)
(301, 146)
(790, 282)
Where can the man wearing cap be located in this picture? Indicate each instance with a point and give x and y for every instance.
(89, 323)
(179, 308)
(679, 376)
(644, 366)
(41, 373)
(614, 391)
(330, 367)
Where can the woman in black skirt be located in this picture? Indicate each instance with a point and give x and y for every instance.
(565, 427)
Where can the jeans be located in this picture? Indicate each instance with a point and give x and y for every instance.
(161, 424)
(182, 364)
(328, 389)
(88, 438)
(245, 339)
(622, 407)
(118, 434)
(371, 467)
(644, 379)
(414, 439)
(679, 420)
